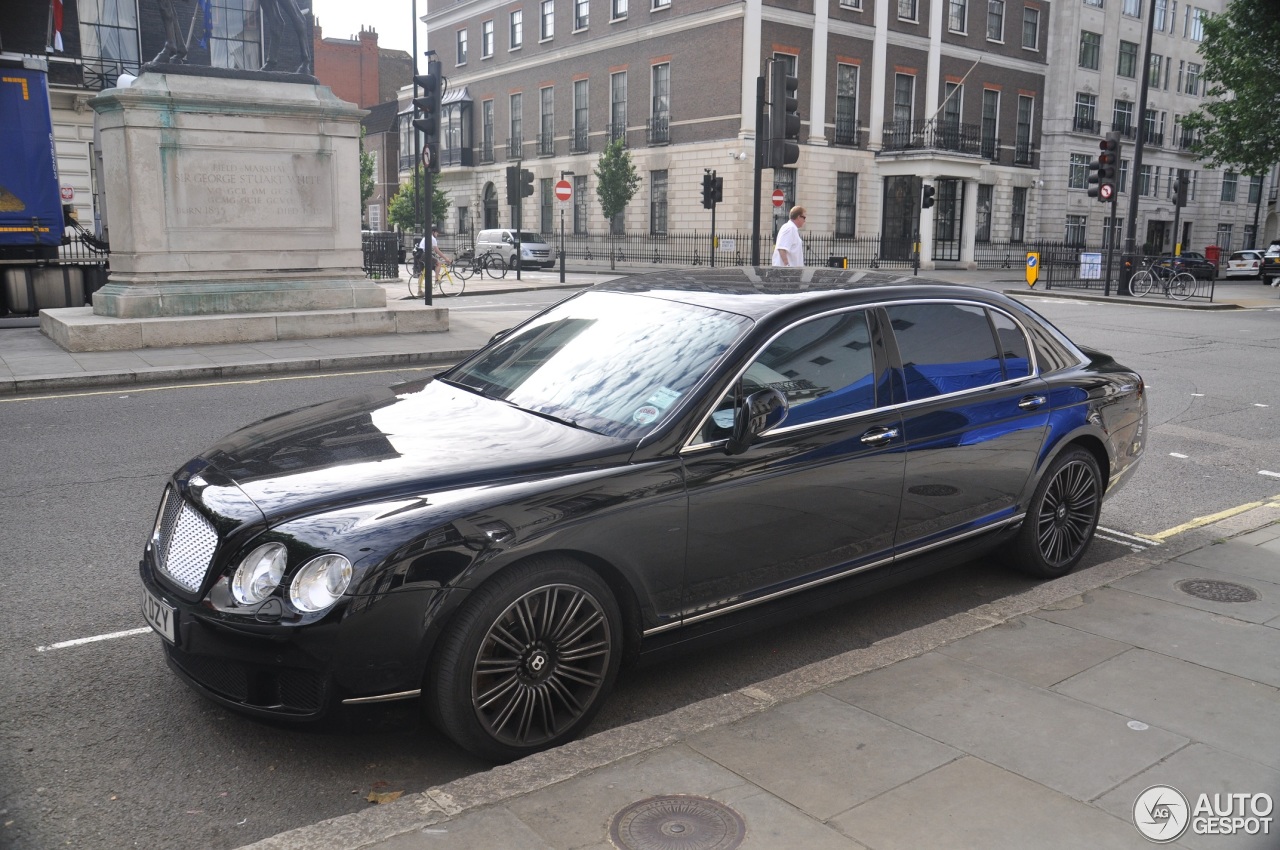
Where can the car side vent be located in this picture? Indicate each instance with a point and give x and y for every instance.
(185, 542)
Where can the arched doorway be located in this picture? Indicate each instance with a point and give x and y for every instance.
(490, 206)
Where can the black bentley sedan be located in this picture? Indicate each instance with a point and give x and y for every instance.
(659, 459)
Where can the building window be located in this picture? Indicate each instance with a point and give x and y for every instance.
(375, 216)
(661, 4)
(851, 4)
(547, 25)
(1078, 173)
(982, 229)
(1197, 24)
(952, 99)
(1026, 111)
(462, 47)
(486, 132)
(619, 9)
(846, 203)
(1193, 78)
(1122, 117)
(546, 122)
(1133, 8)
(1255, 189)
(618, 106)
(236, 38)
(907, 10)
(1097, 3)
(1224, 238)
(1111, 231)
(581, 14)
(846, 104)
(108, 40)
(990, 122)
(904, 92)
(517, 29)
(660, 105)
(957, 15)
(1090, 48)
(1122, 176)
(516, 142)
(486, 39)
(1030, 28)
(1250, 236)
(580, 204)
(546, 209)
(1127, 63)
(995, 20)
(1144, 180)
(658, 203)
(1075, 230)
(1086, 113)
(578, 144)
(1162, 12)
(1018, 215)
(1157, 62)
(1229, 181)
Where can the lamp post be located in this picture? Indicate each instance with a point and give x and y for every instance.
(563, 174)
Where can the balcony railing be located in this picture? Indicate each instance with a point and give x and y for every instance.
(848, 132)
(1127, 131)
(515, 148)
(658, 130)
(616, 132)
(990, 148)
(1086, 124)
(930, 135)
(1186, 139)
(486, 151)
(579, 141)
(1023, 154)
(465, 157)
(546, 144)
(1150, 137)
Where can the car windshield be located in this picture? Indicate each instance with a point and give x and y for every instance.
(526, 236)
(611, 363)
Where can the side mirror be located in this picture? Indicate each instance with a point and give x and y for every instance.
(761, 412)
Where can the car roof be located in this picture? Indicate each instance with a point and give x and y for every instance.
(760, 292)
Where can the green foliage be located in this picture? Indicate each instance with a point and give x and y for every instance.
(402, 212)
(1241, 51)
(367, 184)
(616, 179)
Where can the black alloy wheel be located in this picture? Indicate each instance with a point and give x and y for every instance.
(528, 661)
(1062, 517)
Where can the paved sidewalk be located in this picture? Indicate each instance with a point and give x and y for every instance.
(1032, 722)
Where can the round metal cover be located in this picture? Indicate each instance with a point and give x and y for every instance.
(678, 822)
(1217, 591)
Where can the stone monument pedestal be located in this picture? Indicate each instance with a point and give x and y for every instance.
(231, 194)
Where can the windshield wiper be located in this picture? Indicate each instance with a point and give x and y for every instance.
(480, 391)
(545, 415)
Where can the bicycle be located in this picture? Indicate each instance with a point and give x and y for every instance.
(1176, 285)
(467, 264)
(447, 285)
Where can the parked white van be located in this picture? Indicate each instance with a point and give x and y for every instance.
(534, 251)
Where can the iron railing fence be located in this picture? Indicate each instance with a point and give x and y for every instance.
(383, 252)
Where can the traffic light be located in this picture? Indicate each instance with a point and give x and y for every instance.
(1180, 187)
(708, 191)
(526, 182)
(513, 185)
(428, 107)
(717, 189)
(1108, 163)
(1095, 179)
(926, 197)
(784, 118)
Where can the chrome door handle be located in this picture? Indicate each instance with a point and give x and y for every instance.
(879, 436)
(1031, 402)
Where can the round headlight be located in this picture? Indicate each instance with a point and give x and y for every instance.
(319, 584)
(259, 573)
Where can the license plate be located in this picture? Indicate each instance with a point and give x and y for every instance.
(161, 616)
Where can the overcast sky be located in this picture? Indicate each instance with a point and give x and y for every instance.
(392, 19)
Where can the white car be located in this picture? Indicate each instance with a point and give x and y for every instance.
(1244, 264)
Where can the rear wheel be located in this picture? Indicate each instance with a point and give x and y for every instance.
(495, 266)
(1183, 286)
(527, 661)
(1140, 284)
(1061, 518)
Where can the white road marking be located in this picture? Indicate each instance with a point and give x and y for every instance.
(79, 641)
(1255, 404)
(1134, 546)
(1269, 472)
(1175, 454)
(1145, 541)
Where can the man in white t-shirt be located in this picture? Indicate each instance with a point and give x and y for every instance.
(436, 257)
(788, 250)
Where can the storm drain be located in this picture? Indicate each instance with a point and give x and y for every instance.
(678, 822)
(1217, 591)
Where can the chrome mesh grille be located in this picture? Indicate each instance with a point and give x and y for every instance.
(185, 542)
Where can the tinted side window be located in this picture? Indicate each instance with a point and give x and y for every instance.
(824, 367)
(1013, 346)
(945, 348)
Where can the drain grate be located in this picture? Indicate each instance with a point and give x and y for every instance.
(1217, 591)
(678, 822)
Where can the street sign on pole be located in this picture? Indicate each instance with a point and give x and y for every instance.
(564, 190)
(778, 197)
(1105, 191)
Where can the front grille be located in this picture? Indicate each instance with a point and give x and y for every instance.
(287, 691)
(185, 542)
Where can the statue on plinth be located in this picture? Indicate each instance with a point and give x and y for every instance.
(283, 14)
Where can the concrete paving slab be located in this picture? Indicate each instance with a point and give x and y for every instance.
(1233, 714)
(1201, 769)
(1212, 640)
(1034, 651)
(1067, 745)
(822, 755)
(1162, 583)
(489, 827)
(1238, 557)
(970, 804)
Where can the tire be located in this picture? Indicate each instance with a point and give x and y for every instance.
(415, 286)
(450, 285)
(1182, 287)
(495, 266)
(1061, 518)
(501, 685)
(461, 269)
(1141, 282)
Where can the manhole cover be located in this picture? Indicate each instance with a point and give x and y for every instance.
(1217, 591)
(677, 822)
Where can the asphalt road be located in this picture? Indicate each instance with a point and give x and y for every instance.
(103, 747)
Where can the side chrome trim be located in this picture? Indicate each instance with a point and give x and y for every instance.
(973, 532)
(383, 697)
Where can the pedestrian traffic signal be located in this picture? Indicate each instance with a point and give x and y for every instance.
(427, 106)
(526, 182)
(784, 118)
(1180, 187)
(708, 191)
(926, 196)
(513, 185)
(1108, 164)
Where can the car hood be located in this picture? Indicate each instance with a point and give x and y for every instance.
(418, 437)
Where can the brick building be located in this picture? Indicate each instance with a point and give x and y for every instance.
(358, 70)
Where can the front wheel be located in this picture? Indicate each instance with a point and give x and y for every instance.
(1061, 518)
(1182, 287)
(1141, 283)
(527, 661)
(495, 266)
(450, 285)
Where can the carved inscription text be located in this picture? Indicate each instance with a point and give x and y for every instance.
(248, 190)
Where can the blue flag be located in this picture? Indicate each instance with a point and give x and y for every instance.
(208, 21)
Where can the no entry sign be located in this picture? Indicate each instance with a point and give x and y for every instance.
(564, 190)
(778, 197)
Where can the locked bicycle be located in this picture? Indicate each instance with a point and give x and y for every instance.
(1174, 284)
(468, 263)
(447, 285)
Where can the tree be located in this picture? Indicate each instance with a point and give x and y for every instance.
(1241, 51)
(402, 212)
(616, 184)
(367, 184)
